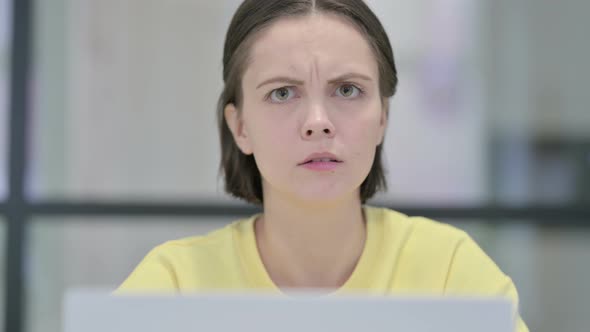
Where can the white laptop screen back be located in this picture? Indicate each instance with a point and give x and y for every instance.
(91, 311)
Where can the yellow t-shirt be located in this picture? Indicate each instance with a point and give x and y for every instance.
(402, 255)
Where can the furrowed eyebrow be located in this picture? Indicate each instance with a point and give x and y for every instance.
(280, 79)
(292, 81)
(348, 76)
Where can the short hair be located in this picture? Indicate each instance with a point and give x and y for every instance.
(242, 176)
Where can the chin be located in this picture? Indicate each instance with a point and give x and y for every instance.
(316, 192)
(326, 197)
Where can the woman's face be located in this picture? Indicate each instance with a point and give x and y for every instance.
(311, 87)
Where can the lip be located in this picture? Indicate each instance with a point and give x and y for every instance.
(320, 155)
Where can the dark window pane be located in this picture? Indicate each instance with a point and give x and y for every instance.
(5, 28)
(2, 267)
(537, 99)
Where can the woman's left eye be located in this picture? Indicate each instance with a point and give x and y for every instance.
(348, 91)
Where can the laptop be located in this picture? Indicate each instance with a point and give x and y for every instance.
(98, 311)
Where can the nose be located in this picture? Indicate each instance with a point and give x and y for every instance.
(317, 124)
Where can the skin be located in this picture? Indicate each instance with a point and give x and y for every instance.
(302, 95)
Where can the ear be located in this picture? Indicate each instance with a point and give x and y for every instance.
(383, 120)
(236, 126)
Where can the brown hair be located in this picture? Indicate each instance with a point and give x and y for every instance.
(242, 177)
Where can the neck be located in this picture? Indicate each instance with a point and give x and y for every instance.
(310, 245)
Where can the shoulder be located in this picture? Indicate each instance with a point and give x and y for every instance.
(428, 254)
(430, 234)
(446, 257)
(190, 248)
(187, 263)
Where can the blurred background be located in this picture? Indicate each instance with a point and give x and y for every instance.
(108, 142)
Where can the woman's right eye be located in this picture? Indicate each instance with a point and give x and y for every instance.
(281, 95)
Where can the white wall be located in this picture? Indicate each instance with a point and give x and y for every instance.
(436, 141)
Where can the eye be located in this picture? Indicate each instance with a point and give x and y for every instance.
(348, 91)
(281, 95)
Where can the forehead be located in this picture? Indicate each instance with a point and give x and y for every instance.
(318, 42)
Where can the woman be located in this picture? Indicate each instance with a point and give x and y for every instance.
(302, 118)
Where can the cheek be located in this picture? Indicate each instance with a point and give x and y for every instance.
(363, 147)
(269, 137)
(268, 134)
(363, 129)
(361, 139)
